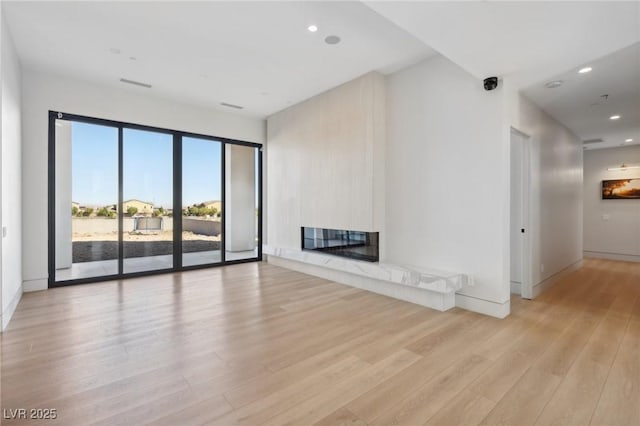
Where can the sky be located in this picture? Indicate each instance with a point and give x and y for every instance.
(148, 162)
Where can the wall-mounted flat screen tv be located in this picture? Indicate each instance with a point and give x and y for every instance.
(621, 189)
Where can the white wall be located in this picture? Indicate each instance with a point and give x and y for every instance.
(447, 162)
(611, 227)
(42, 92)
(555, 192)
(325, 165)
(11, 177)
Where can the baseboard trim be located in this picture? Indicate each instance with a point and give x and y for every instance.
(553, 279)
(612, 256)
(8, 313)
(35, 285)
(481, 306)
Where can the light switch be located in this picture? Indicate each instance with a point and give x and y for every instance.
(606, 216)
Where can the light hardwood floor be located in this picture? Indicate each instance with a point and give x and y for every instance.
(255, 344)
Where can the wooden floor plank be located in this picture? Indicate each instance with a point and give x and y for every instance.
(253, 344)
(618, 403)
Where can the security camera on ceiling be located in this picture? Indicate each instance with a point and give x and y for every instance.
(490, 83)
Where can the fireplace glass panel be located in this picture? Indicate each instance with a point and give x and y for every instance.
(357, 245)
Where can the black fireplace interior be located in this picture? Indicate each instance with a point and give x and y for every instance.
(352, 244)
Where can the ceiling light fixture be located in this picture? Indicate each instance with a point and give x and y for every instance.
(312, 28)
(628, 140)
(622, 168)
(614, 117)
(585, 70)
(554, 84)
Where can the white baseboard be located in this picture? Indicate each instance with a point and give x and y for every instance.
(35, 285)
(553, 279)
(9, 311)
(612, 256)
(516, 288)
(419, 296)
(481, 306)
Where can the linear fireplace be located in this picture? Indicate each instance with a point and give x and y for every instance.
(351, 244)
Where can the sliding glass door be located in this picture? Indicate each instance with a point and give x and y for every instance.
(129, 200)
(147, 223)
(241, 195)
(86, 186)
(201, 201)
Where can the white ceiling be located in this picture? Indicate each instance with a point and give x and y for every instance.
(526, 41)
(261, 56)
(580, 105)
(255, 54)
(531, 43)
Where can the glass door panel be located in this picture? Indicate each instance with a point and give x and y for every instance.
(86, 196)
(201, 201)
(147, 203)
(241, 202)
(114, 198)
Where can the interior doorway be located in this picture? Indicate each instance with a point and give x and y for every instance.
(520, 272)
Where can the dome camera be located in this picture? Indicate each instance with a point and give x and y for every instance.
(490, 83)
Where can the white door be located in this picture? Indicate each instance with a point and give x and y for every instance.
(518, 218)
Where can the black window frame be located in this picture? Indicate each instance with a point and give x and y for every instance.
(177, 198)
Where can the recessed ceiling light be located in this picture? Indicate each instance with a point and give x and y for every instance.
(312, 28)
(332, 39)
(614, 117)
(585, 70)
(628, 140)
(554, 84)
(114, 50)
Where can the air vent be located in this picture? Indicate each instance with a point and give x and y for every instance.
(135, 83)
(231, 105)
(588, 141)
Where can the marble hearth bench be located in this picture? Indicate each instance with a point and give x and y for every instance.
(427, 287)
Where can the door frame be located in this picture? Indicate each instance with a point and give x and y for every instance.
(526, 290)
(177, 196)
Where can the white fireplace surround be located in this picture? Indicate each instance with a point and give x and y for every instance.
(427, 287)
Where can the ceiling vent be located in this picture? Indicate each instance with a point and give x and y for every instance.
(231, 105)
(135, 83)
(589, 141)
